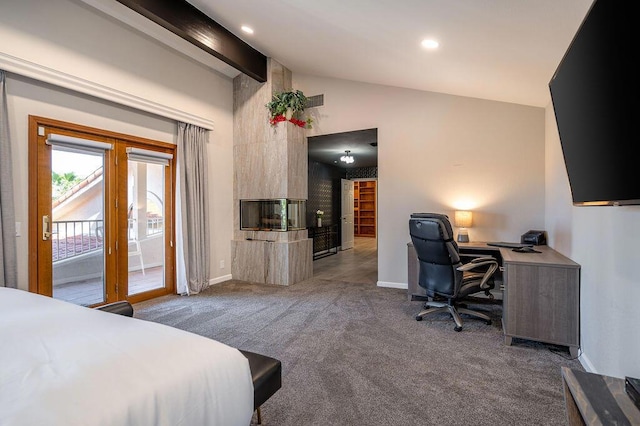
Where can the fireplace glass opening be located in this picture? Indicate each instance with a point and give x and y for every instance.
(273, 215)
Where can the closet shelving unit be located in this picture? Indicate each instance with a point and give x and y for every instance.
(364, 208)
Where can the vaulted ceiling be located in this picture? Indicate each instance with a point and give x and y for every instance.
(491, 49)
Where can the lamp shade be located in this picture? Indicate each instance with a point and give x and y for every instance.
(463, 218)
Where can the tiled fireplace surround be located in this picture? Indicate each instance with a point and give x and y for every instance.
(269, 163)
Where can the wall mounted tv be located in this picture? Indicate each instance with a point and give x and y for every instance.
(595, 94)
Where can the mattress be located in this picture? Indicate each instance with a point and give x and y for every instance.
(63, 364)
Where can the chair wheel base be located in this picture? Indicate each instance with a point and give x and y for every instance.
(418, 318)
(456, 328)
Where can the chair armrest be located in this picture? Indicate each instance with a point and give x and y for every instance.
(478, 262)
(471, 255)
(487, 261)
(121, 308)
(468, 257)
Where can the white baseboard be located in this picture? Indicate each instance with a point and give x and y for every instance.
(387, 284)
(586, 363)
(218, 280)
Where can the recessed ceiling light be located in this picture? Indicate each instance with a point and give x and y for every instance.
(429, 43)
(246, 29)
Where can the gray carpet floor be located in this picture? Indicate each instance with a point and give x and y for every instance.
(353, 354)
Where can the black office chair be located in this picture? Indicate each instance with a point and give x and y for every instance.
(445, 278)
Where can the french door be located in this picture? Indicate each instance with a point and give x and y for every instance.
(100, 214)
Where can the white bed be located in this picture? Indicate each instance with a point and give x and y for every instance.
(62, 364)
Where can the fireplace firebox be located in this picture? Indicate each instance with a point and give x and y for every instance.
(281, 214)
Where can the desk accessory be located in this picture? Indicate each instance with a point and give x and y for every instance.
(508, 244)
(537, 238)
(526, 249)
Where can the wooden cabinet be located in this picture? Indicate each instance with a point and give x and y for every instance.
(541, 298)
(364, 208)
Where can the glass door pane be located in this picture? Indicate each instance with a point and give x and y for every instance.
(145, 228)
(77, 226)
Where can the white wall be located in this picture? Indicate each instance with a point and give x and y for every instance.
(72, 38)
(436, 151)
(604, 241)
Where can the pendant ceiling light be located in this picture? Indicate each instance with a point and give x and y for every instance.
(347, 158)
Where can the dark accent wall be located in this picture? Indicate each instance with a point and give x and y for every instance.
(325, 188)
(324, 193)
(362, 173)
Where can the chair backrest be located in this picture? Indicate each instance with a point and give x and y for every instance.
(437, 252)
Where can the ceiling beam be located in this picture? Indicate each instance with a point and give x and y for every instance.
(184, 20)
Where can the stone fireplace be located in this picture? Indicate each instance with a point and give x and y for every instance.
(270, 242)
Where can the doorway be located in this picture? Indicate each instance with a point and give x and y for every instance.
(328, 171)
(100, 214)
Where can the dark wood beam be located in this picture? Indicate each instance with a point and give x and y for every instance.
(184, 20)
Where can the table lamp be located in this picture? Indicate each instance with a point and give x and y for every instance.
(462, 219)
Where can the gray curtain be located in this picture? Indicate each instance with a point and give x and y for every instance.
(192, 212)
(8, 265)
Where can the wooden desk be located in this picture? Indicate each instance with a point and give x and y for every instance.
(593, 399)
(541, 299)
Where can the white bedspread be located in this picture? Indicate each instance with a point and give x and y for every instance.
(62, 364)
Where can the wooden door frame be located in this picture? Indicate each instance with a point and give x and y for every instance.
(113, 190)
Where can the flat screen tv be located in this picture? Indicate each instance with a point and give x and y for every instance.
(596, 101)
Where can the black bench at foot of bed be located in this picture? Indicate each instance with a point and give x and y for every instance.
(266, 372)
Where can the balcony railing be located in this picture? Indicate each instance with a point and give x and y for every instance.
(155, 225)
(75, 237)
